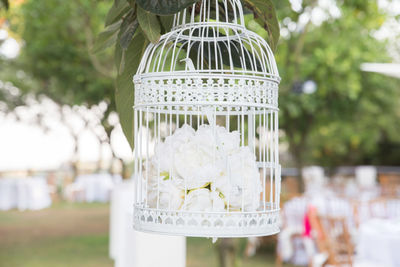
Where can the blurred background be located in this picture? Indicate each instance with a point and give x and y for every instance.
(64, 158)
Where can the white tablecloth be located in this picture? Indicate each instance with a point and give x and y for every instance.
(92, 187)
(24, 193)
(366, 176)
(379, 242)
(130, 248)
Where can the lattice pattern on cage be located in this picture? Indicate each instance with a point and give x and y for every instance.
(187, 94)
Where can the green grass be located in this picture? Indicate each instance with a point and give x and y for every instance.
(202, 252)
(58, 252)
(77, 235)
(63, 235)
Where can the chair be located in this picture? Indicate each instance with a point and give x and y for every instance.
(390, 184)
(356, 207)
(290, 188)
(332, 238)
(292, 229)
(378, 208)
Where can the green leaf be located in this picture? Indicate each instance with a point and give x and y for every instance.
(119, 59)
(132, 3)
(106, 38)
(166, 23)
(264, 13)
(165, 175)
(5, 3)
(165, 7)
(128, 28)
(124, 95)
(149, 24)
(117, 10)
(127, 35)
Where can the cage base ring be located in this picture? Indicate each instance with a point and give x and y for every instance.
(206, 224)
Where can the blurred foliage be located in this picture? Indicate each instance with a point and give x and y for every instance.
(351, 112)
(165, 7)
(4, 4)
(57, 37)
(56, 57)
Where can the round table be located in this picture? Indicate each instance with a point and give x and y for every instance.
(94, 187)
(24, 193)
(379, 242)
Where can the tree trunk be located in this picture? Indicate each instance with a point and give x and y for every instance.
(121, 161)
(299, 167)
(75, 157)
(123, 169)
(100, 161)
(226, 252)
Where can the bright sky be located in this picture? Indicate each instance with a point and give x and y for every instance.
(27, 146)
(10, 47)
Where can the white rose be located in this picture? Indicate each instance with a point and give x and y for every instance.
(218, 202)
(229, 141)
(170, 195)
(199, 160)
(217, 139)
(240, 182)
(195, 165)
(163, 159)
(192, 160)
(181, 136)
(203, 200)
(153, 176)
(162, 178)
(204, 138)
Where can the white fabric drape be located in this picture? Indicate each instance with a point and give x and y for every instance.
(137, 249)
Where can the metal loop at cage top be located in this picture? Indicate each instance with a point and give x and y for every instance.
(206, 128)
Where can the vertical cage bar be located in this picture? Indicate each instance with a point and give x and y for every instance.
(250, 134)
(158, 162)
(147, 155)
(277, 170)
(243, 144)
(136, 177)
(140, 154)
(265, 154)
(271, 164)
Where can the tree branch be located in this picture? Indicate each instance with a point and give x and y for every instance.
(95, 62)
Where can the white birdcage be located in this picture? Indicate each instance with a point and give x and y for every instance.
(206, 128)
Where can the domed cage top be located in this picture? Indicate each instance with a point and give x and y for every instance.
(206, 128)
